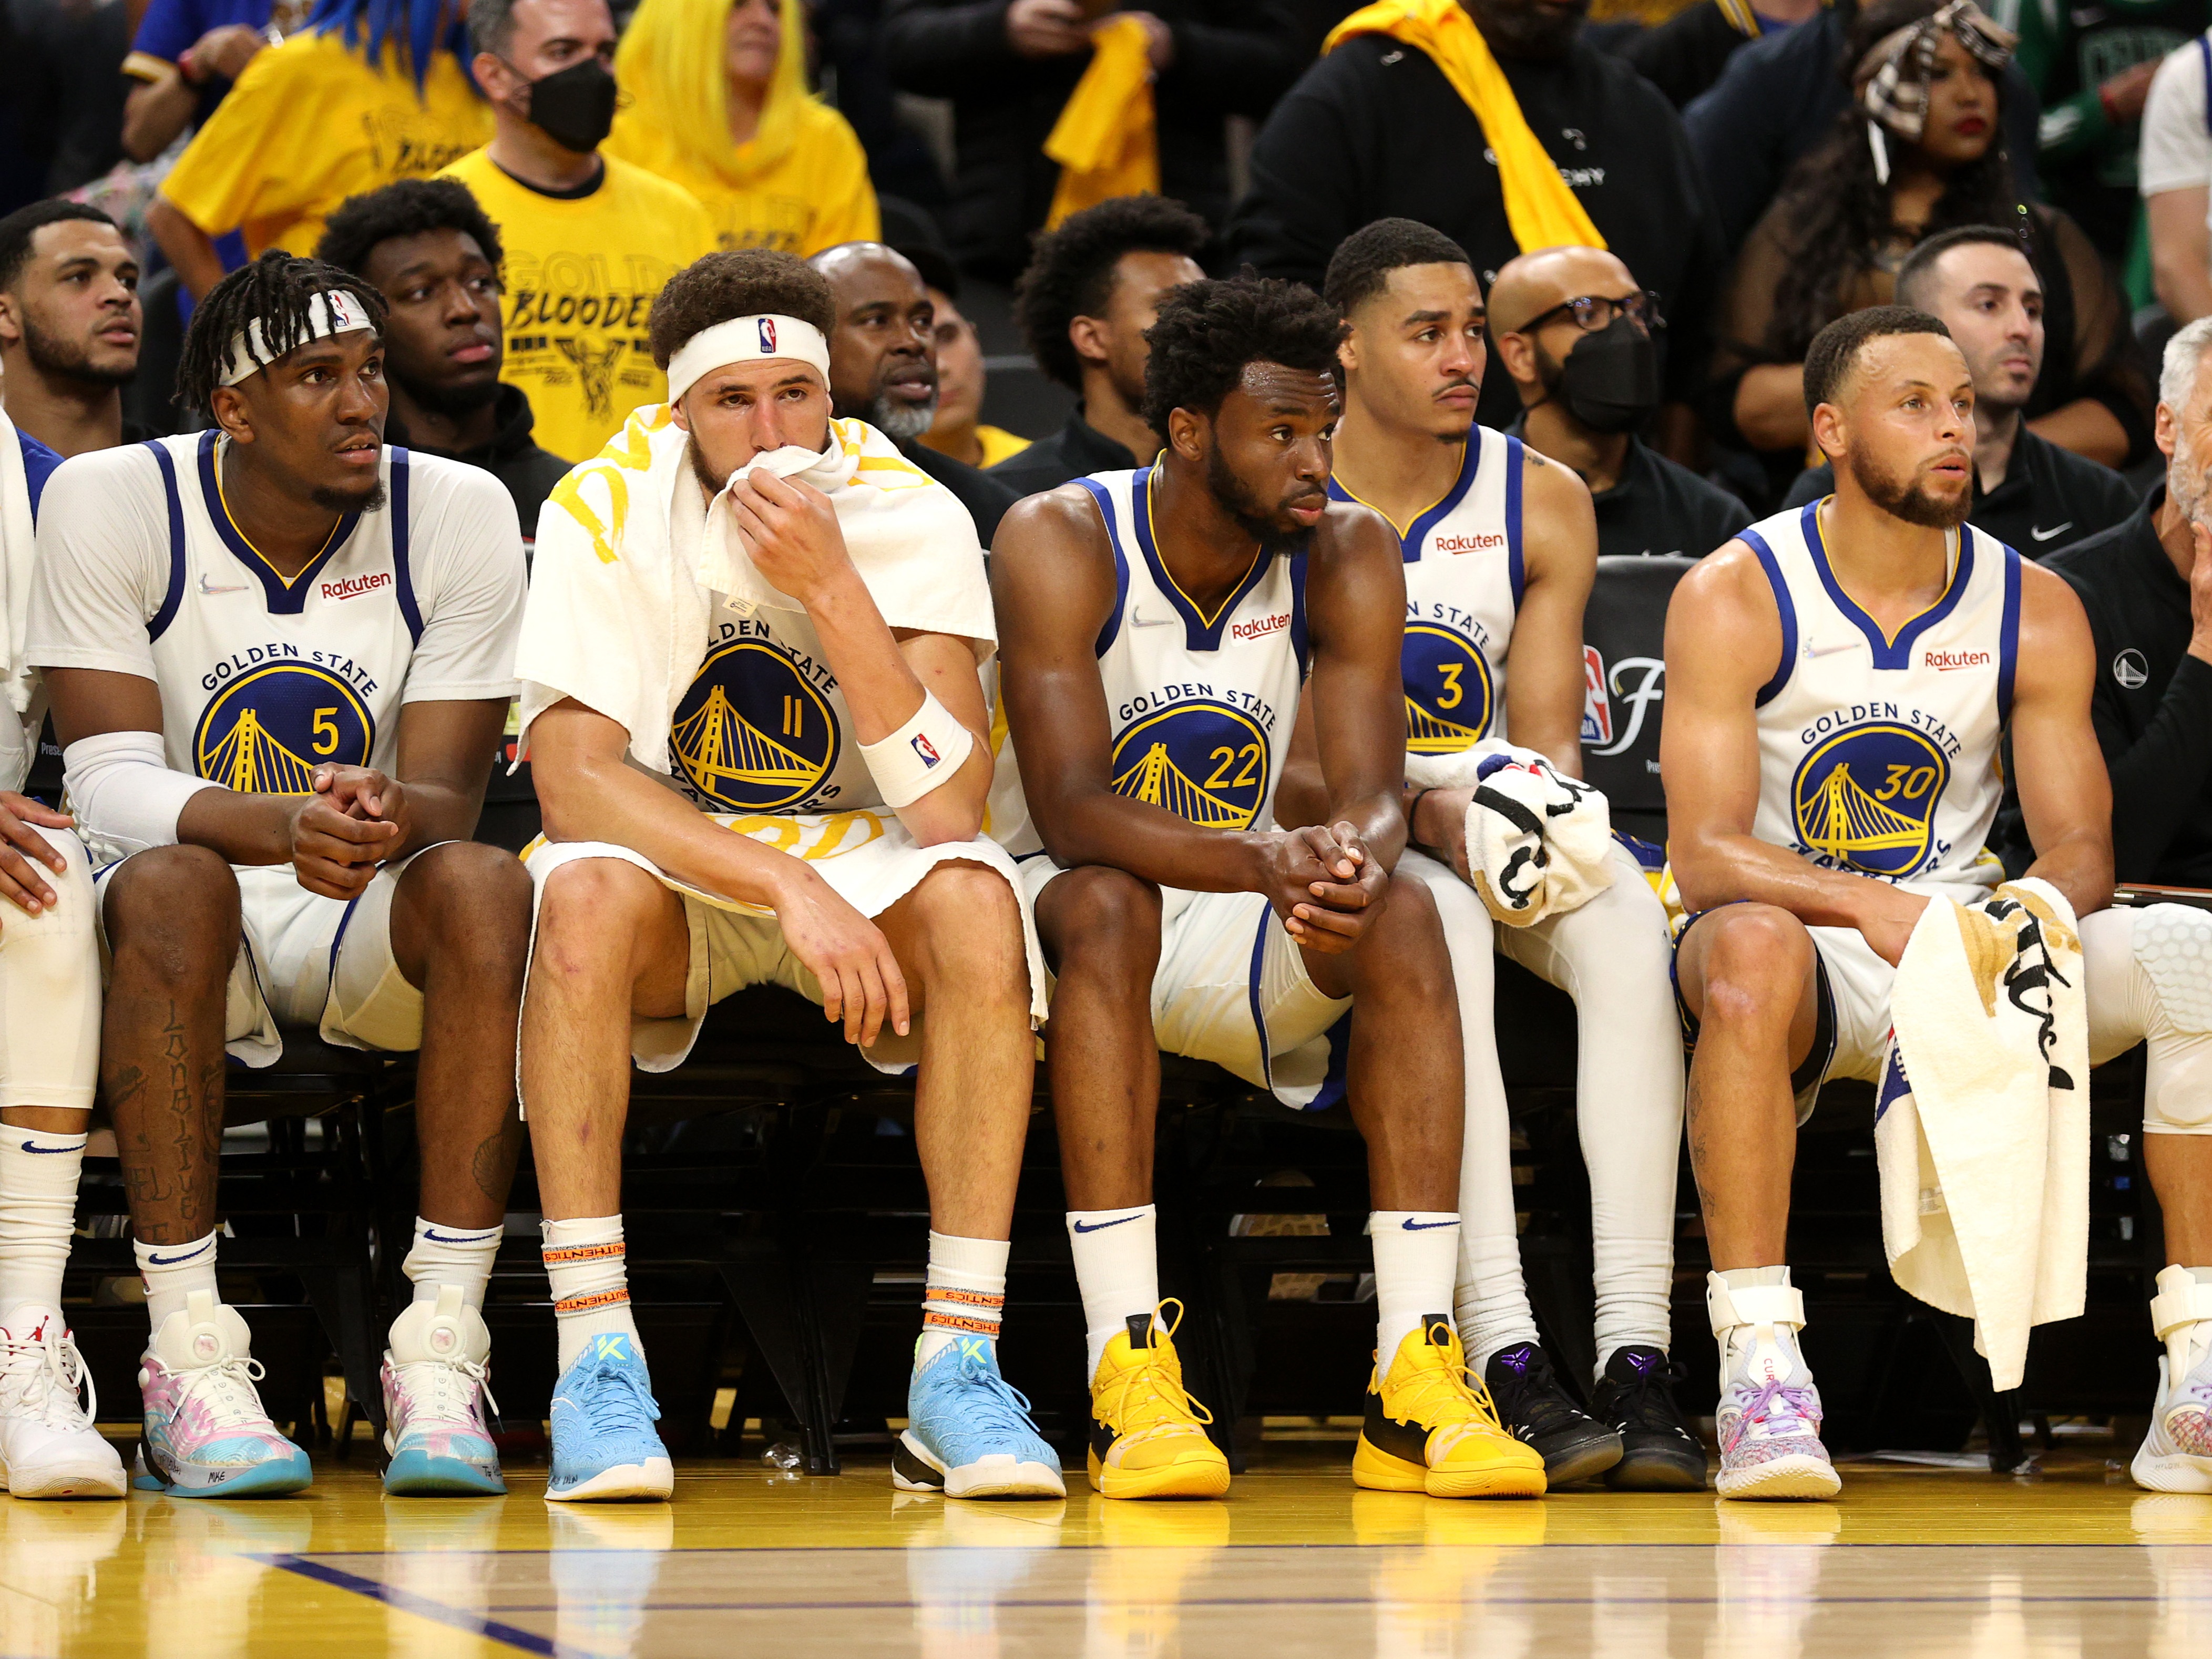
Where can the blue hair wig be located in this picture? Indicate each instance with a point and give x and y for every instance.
(414, 22)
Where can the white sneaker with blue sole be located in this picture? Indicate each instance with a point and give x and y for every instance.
(968, 1432)
(605, 1447)
(206, 1432)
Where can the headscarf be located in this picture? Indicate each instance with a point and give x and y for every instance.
(1893, 77)
(671, 65)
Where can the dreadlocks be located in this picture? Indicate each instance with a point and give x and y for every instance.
(278, 289)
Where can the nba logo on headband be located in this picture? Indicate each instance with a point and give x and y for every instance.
(768, 337)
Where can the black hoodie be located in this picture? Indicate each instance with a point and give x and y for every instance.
(512, 456)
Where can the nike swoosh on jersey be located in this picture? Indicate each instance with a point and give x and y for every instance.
(1413, 1226)
(2045, 535)
(1140, 620)
(206, 588)
(1101, 1226)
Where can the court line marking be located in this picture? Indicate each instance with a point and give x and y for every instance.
(408, 1601)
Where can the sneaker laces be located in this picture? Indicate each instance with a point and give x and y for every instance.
(225, 1390)
(621, 1399)
(1799, 1414)
(47, 1375)
(1537, 1402)
(1648, 1402)
(1163, 1407)
(1445, 1394)
(997, 1406)
(452, 1385)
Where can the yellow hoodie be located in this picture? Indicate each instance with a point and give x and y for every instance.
(800, 183)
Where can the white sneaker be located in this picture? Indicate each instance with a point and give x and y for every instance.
(437, 1380)
(47, 1440)
(2176, 1456)
(1769, 1416)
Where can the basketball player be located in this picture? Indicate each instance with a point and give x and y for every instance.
(1156, 626)
(1870, 647)
(280, 655)
(49, 1057)
(1500, 548)
(787, 789)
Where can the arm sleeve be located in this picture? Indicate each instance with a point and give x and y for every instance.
(168, 31)
(948, 48)
(103, 564)
(249, 160)
(1241, 67)
(471, 587)
(2177, 145)
(1307, 167)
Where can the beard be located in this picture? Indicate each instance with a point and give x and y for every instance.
(1909, 499)
(69, 360)
(2188, 483)
(1275, 529)
(343, 501)
(902, 423)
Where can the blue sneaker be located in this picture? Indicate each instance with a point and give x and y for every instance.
(969, 1433)
(605, 1449)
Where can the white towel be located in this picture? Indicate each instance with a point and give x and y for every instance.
(629, 539)
(1982, 1125)
(17, 745)
(1538, 843)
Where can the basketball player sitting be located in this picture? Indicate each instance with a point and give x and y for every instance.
(751, 693)
(281, 656)
(1156, 626)
(1839, 680)
(49, 1058)
(1500, 548)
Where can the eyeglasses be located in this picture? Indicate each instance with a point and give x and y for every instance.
(1593, 312)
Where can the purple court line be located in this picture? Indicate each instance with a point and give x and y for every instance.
(408, 1601)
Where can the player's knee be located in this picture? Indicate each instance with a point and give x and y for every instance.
(473, 899)
(1408, 934)
(1107, 916)
(969, 930)
(587, 915)
(172, 914)
(1755, 962)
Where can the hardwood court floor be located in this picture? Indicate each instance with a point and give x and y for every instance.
(1294, 1563)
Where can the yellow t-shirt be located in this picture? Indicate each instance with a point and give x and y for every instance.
(581, 275)
(999, 443)
(309, 124)
(817, 197)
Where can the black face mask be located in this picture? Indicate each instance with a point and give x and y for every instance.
(1610, 381)
(574, 107)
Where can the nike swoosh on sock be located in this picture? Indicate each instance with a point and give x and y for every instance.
(1101, 1226)
(1413, 1226)
(171, 1261)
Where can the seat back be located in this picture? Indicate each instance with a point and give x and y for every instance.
(1624, 665)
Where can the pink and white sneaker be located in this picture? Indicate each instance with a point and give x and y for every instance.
(2176, 1456)
(1769, 1418)
(48, 1444)
(207, 1435)
(437, 1381)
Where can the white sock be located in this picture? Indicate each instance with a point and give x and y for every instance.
(1117, 1268)
(584, 1259)
(967, 1293)
(172, 1272)
(1416, 1258)
(453, 1255)
(39, 1174)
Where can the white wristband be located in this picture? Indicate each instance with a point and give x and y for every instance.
(920, 756)
(124, 790)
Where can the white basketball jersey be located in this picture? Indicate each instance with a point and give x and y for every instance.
(262, 678)
(1879, 756)
(1463, 582)
(1200, 704)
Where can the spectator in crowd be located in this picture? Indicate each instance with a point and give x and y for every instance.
(1686, 53)
(2147, 585)
(1779, 97)
(371, 91)
(1402, 116)
(2092, 68)
(1916, 153)
(1092, 289)
(70, 324)
(1011, 70)
(2028, 493)
(2175, 171)
(426, 245)
(883, 368)
(1577, 336)
(958, 429)
(62, 93)
(590, 237)
(719, 103)
(185, 56)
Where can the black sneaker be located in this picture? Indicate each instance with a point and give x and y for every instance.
(1660, 1452)
(1536, 1410)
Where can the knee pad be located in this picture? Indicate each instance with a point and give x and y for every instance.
(2173, 946)
(50, 994)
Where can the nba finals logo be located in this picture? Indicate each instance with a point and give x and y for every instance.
(267, 731)
(1202, 760)
(1864, 801)
(753, 734)
(768, 337)
(1448, 690)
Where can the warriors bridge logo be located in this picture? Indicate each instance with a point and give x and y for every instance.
(1449, 699)
(267, 731)
(1865, 799)
(753, 734)
(1202, 760)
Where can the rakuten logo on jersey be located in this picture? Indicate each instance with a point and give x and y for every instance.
(1483, 542)
(352, 587)
(1259, 627)
(1944, 661)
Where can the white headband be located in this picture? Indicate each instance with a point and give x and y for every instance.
(747, 340)
(340, 313)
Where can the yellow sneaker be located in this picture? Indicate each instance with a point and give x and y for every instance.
(1147, 1435)
(1430, 1427)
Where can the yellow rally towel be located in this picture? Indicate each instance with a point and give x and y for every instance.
(1540, 207)
(1104, 140)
